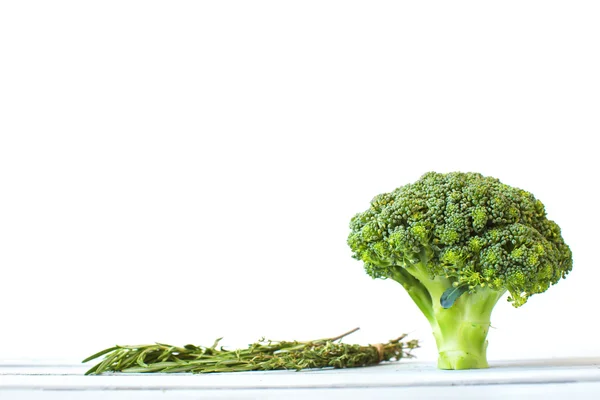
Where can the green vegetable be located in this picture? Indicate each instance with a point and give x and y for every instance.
(260, 356)
(452, 294)
(457, 243)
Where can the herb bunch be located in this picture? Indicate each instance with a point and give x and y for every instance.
(263, 355)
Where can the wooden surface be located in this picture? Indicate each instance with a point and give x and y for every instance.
(543, 379)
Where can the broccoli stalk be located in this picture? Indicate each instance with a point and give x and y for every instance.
(461, 330)
(457, 243)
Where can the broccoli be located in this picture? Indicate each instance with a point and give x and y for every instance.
(457, 242)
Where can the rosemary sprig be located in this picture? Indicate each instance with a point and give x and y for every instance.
(263, 355)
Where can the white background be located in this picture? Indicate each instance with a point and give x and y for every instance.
(180, 171)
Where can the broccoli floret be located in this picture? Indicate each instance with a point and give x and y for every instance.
(457, 242)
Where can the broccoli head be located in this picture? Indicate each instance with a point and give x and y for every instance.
(457, 242)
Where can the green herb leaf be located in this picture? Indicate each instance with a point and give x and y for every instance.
(451, 294)
(260, 356)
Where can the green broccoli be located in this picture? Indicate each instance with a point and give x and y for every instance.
(457, 242)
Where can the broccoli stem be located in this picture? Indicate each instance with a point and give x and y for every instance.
(460, 331)
(416, 290)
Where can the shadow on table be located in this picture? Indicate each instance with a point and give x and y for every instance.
(551, 362)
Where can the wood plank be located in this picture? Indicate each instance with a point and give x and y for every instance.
(554, 391)
(401, 374)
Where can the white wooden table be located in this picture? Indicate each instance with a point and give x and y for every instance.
(542, 379)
